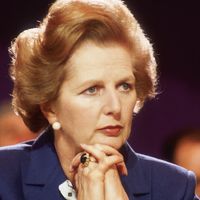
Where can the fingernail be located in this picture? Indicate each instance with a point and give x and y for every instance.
(126, 172)
(83, 145)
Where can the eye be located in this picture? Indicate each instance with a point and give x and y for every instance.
(125, 87)
(91, 91)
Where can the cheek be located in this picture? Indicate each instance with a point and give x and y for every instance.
(128, 113)
(77, 112)
(129, 106)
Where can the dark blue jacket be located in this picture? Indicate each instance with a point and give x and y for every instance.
(32, 171)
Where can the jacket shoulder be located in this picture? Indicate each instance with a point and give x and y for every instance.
(11, 157)
(162, 166)
(169, 177)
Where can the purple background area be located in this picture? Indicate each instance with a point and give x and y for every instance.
(173, 27)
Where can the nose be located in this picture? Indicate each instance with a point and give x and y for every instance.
(112, 105)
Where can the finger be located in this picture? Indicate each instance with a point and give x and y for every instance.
(76, 181)
(92, 150)
(109, 161)
(100, 150)
(108, 150)
(87, 178)
(103, 148)
(122, 168)
(103, 164)
(75, 162)
(97, 148)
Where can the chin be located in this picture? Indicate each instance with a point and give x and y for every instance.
(115, 144)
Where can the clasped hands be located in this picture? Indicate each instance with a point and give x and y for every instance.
(99, 180)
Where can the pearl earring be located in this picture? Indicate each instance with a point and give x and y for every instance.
(56, 125)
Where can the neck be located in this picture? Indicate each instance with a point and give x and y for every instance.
(66, 151)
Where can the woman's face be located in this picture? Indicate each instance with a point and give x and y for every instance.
(96, 102)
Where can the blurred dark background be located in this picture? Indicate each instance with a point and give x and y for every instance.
(174, 29)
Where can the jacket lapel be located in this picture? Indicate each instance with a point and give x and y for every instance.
(41, 171)
(138, 182)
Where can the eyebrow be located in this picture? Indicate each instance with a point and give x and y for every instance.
(128, 78)
(90, 83)
(100, 82)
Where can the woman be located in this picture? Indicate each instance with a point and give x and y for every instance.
(79, 77)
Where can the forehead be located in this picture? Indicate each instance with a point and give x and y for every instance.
(92, 57)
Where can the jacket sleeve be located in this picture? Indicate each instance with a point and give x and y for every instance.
(190, 187)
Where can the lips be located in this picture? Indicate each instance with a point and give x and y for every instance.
(113, 131)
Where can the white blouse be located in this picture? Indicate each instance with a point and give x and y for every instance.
(67, 190)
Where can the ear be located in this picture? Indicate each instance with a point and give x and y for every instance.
(137, 107)
(48, 110)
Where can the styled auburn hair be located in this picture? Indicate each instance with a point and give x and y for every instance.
(39, 55)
